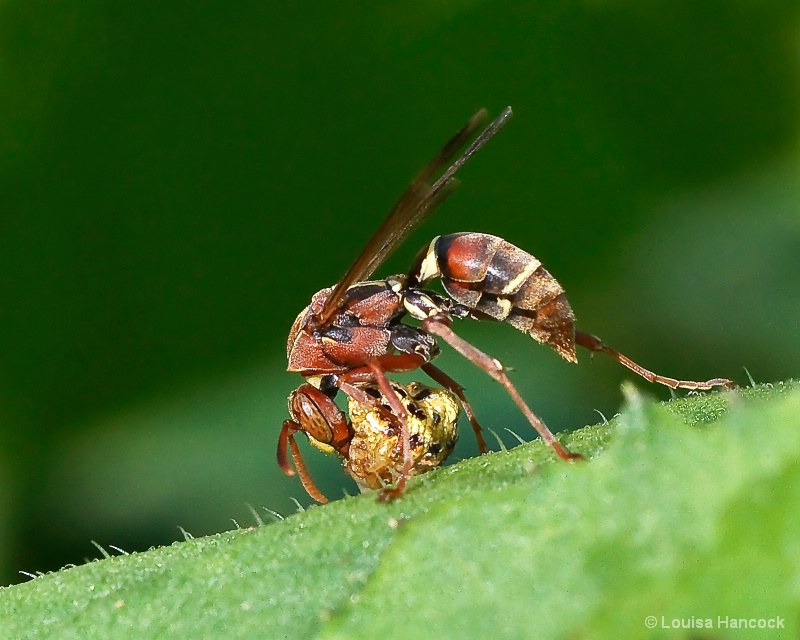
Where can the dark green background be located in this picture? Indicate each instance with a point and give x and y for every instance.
(177, 179)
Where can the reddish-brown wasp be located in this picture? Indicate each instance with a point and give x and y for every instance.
(353, 334)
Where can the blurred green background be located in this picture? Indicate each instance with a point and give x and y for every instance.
(177, 179)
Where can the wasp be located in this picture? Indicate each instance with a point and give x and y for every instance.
(353, 334)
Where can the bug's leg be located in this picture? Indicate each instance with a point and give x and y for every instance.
(594, 344)
(375, 371)
(290, 427)
(439, 326)
(448, 383)
(405, 436)
(314, 413)
(392, 363)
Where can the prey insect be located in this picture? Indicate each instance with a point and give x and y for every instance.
(372, 455)
(353, 334)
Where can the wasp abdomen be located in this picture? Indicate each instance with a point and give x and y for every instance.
(500, 280)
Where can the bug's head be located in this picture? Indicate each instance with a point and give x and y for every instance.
(306, 317)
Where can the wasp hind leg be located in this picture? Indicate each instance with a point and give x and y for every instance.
(440, 326)
(595, 345)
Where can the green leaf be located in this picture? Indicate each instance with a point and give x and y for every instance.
(688, 511)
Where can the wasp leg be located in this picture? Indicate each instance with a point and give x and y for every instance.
(405, 436)
(290, 427)
(440, 326)
(376, 371)
(392, 363)
(594, 344)
(448, 383)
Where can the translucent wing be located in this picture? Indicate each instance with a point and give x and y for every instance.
(420, 199)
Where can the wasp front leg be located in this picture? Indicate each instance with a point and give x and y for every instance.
(375, 371)
(286, 438)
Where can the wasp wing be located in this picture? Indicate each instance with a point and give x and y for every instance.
(419, 200)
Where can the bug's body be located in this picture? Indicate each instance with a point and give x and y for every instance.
(486, 275)
(356, 334)
(495, 279)
(352, 334)
(370, 443)
(374, 456)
